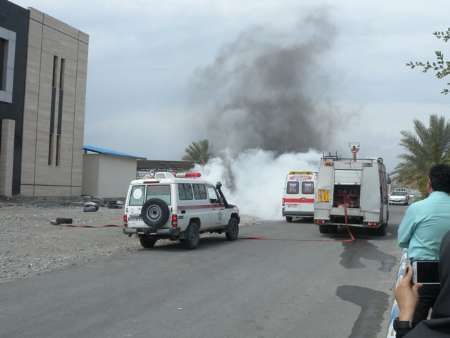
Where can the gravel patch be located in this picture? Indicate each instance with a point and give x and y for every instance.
(30, 245)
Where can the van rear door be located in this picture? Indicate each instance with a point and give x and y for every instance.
(141, 193)
(298, 199)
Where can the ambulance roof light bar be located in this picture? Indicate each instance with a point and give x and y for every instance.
(189, 174)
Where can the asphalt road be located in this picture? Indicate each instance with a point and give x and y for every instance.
(284, 280)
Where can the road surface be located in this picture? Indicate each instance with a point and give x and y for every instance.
(279, 280)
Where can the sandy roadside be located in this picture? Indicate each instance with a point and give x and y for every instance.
(30, 245)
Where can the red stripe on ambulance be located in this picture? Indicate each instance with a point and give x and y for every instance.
(298, 200)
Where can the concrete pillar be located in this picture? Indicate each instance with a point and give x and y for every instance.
(7, 157)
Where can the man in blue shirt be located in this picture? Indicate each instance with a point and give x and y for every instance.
(423, 227)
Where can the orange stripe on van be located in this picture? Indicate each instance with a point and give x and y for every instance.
(298, 200)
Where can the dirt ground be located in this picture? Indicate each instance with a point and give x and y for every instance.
(30, 245)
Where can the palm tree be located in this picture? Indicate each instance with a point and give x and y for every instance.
(198, 152)
(425, 148)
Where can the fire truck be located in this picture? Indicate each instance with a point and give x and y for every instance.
(351, 192)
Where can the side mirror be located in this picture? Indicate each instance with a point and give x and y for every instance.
(218, 185)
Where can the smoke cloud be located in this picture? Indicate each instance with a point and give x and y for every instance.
(259, 178)
(266, 89)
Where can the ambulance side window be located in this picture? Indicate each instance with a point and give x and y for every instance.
(212, 195)
(292, 187)
(199, 191)
(308, 188)
(185, 192)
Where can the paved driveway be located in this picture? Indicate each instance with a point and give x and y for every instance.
(284, 280)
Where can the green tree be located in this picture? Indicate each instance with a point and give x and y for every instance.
(198, 152)
(440, 66)
(424, 148)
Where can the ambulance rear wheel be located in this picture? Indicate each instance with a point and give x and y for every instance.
(289, 219)
(147, 242)
(191, 236)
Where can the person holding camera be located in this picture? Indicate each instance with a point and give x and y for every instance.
(422, 229)
(407, 296)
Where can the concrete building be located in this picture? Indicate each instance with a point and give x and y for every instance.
(107, 173)
(43, 71)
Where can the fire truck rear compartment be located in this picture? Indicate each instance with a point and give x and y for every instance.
(348, 195)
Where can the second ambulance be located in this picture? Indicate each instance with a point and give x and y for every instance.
(298, 198)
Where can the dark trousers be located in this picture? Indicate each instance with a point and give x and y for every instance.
(427, 297)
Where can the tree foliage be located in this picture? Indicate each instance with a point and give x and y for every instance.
(425, 147)
(440, 67)
(198, 152)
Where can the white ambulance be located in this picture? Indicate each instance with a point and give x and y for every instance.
(178, 207)
(298, 198)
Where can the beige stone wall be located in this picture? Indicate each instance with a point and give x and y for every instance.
(6, 157)
(90, 174)
(49, 37)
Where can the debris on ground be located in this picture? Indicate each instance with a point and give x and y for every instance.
(115, 204)
(60, 220)
(90, 207)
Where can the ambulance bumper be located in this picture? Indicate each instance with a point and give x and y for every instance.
(298, 213)
(172, 233)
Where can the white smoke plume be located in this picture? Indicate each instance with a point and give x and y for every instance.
(258, 178)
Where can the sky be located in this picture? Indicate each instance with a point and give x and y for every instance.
(144, 57)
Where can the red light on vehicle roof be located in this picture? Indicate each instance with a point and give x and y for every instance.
(192, 174)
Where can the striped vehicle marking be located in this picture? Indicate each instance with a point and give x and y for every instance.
(298, 200)
(204, 206)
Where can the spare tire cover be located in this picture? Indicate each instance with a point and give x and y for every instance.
(155, 213)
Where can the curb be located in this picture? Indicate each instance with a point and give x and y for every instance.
(395, 310)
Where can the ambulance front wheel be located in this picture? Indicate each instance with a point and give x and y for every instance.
(289, 219)
(232, 232)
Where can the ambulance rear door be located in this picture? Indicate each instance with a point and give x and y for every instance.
(298, 199)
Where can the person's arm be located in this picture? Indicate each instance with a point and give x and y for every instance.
(406, 227)
(407, 296)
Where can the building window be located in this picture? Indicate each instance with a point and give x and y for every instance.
(3, 58)
(7, 56)
(52, 110)
(60, 110)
